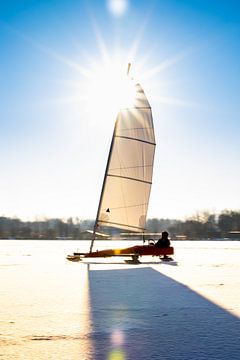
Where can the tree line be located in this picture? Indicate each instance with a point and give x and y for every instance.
(202, 225)
(14, 228)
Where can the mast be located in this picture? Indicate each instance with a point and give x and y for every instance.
(128, 68)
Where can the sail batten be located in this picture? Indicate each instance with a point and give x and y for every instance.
(128, 176)
(122, 226)
(135, 139)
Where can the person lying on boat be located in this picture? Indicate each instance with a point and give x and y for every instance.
(163, 242)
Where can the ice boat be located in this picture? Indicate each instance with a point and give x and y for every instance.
(128, 178)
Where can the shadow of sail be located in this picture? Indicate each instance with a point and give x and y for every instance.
(140, 313)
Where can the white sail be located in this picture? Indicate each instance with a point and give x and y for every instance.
(128, 177)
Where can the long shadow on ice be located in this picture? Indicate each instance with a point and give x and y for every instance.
(143, 314)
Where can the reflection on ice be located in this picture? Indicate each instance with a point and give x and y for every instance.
(84, 302)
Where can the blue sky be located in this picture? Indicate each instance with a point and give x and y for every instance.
(53, 142)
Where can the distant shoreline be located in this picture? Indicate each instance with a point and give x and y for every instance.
(118, 240)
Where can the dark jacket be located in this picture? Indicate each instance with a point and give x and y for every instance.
(163, 243)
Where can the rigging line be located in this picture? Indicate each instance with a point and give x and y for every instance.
(140, 140)
(130, 178)
(130, 206)
(144, 169)
(131, 167)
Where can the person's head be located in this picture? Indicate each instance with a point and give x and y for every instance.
(164, 235)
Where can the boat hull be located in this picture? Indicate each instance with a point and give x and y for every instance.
(138, 250)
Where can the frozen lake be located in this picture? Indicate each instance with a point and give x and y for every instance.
(51, 308)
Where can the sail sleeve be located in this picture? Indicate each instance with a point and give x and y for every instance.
(128, 178)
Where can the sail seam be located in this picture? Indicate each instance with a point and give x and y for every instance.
(113, 223)
(132, 167)
(138, 128)
(130, 178)
(140, 140)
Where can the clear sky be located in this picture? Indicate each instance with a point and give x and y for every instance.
(56, 115)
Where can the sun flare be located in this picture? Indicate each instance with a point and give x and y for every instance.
(110, 89)
(104, 87)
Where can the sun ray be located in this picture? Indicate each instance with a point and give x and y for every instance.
(100, 41)
(68, 99)
(102, 76)
(164, 65)
(174, 101)
(69, 83)
(44, 49)
(138, 39)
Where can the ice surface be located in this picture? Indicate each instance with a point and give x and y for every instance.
(55, 309)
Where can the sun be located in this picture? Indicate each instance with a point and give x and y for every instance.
(118, 7)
